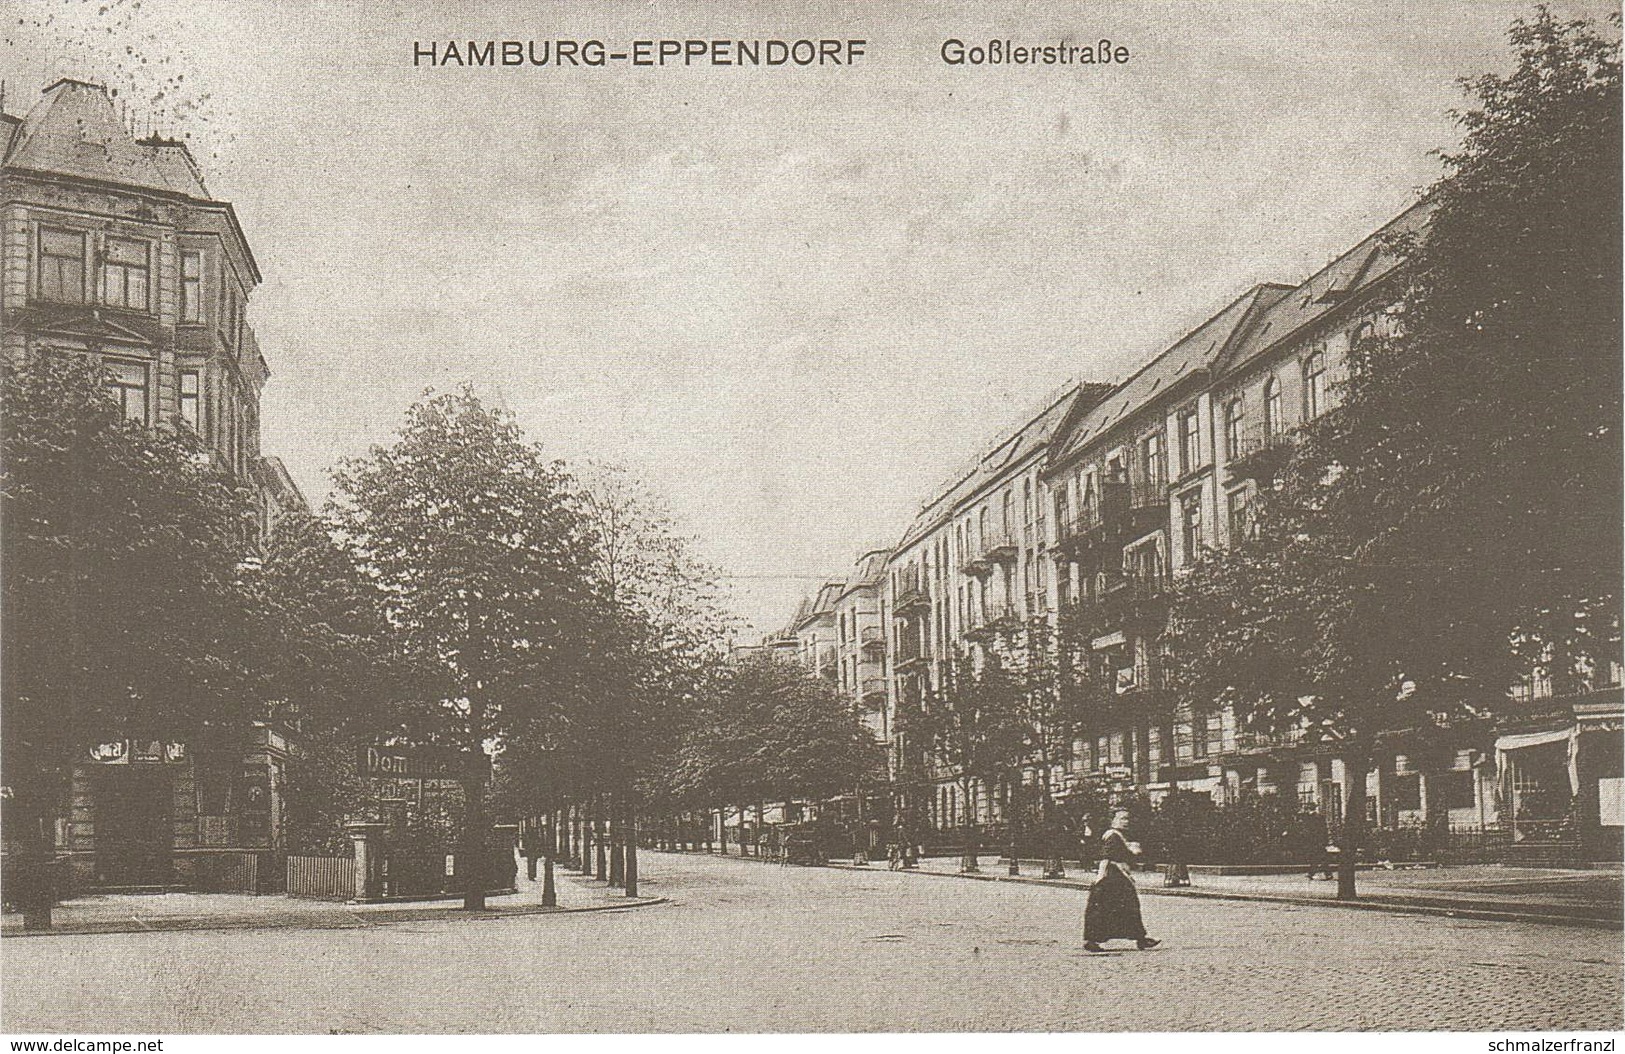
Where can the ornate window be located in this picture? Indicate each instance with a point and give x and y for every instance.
(61, 265)
(1314, 385)
(128, 382)
(191, 286)
(1234, 415)
(1273, 425)
(125, 273)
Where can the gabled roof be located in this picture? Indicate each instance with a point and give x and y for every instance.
(74, 131)
(1324, 292)
(1190, 356)
(1010, 448)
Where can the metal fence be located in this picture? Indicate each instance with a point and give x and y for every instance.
(321, 876)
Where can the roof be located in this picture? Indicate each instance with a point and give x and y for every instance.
(1009, 449)
(819, 604)
(1189, 356)
(274, 475)
(75, 131)
(1327, 290)
(869, 570)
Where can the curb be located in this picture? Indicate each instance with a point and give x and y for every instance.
(1376, 901)
(345, 920)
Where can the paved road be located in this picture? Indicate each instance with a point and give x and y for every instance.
(744, 947)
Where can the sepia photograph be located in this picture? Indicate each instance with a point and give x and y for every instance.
(929, 520)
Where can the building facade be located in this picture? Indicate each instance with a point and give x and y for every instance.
(1088, 512)
(112, 247)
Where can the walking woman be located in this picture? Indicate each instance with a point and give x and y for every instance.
(1113, 909)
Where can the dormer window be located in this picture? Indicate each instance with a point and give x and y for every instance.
(61, 265)
(125, 271)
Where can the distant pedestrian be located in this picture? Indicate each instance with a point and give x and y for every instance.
(1113, 909)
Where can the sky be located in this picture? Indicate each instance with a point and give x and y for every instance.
(792, 300)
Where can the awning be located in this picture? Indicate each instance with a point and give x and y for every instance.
(1533, 739)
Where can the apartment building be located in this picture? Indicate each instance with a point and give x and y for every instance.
(112, 247)
(974, 560)
(860, 642)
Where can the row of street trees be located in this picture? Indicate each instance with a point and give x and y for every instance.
(1452, 524)
(460, 589)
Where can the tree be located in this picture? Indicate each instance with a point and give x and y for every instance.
(122, 612)
(975, 731)
(326, 657)
(771, 731)
(482, 553)
(1459, 513)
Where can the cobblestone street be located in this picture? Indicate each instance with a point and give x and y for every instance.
(748, 947)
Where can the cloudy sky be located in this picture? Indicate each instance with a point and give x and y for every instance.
(791, 299)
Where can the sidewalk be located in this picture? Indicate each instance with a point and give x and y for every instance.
(1482, 891)
(155, 912)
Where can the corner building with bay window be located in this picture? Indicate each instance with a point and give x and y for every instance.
(111, 246)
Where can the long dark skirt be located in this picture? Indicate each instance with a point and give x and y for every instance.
(1113, 910)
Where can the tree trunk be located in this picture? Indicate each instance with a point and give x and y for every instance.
(550, 849)
(968, 862)
(1356, 765)
(742, 850)
(473, 850)
(761, 824)
(631, 868)
(36, 865)
(600, 836)
(617, 843)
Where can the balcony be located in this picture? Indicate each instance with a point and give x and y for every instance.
(1002, 617)
(873, 688)
(1001, 546)
(1124, 511)
(911, 592)
(910, 650)
(1135, 602)
(996, 546)
(872, 640)
(1259, 453)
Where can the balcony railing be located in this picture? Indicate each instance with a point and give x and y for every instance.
(1122, 511)
(911, 593)
(872, 639)
(994, 618)
(873, 686)
(1135, 601)
(1259, 452)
